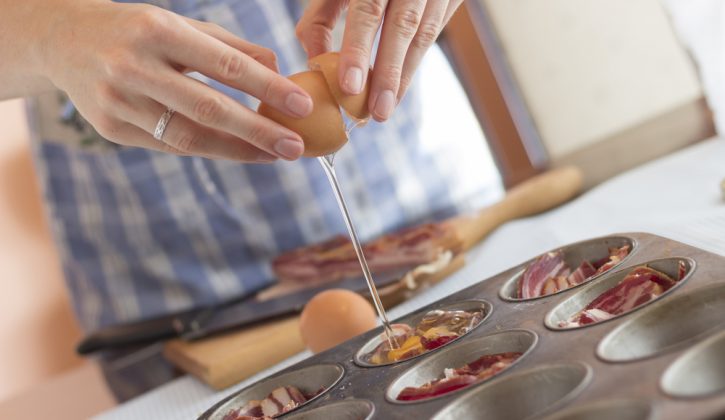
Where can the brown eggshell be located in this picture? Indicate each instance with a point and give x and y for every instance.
(355, 105)
(334, 316)
(323, 131)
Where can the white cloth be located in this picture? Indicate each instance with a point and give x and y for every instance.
(677, 196)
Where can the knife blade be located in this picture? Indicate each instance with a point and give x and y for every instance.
(252, 311)
(136, 333)
(201, 322)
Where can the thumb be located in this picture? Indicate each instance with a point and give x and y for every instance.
(314, 30)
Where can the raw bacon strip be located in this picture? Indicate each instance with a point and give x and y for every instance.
(550, 286)
(439, 341)
(588, 316)
(616, 255)
(557, 283)
(435, 388)
(549, 273)
(641, 285)
(480, 369)
(562, 283)
(251, 410)
(488, 365)
(250, 418)
(335, 259)
(637, 287)
(278, 402)
(537, 273)
(681, 270)
(591, 316)
(305, 262)
(585, 270)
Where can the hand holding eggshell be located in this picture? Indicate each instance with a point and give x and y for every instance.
(323, 131)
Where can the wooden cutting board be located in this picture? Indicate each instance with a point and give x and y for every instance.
(224, 360)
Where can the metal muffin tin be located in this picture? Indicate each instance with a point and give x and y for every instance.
(352, 409)
(699, 372)
(607, 410)
(663, 360)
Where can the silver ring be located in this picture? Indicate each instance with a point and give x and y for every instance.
(163, 122)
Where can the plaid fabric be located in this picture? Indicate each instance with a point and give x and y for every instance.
(143, 233)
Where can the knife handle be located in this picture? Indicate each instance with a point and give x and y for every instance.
(133, 334)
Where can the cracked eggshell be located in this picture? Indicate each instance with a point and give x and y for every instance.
(323, 131)
(356, 106)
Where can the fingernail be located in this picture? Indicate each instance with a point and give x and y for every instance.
(289, 149)
(353, 80)
(384, 104)
(299, 104)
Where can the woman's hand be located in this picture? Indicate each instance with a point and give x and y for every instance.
(409, 28)
(123, 65)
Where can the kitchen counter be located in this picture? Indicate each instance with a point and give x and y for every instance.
(677, 196)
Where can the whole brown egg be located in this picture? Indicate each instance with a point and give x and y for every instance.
(334, 316)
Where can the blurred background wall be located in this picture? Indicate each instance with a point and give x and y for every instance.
(37, 329)
(602, 84)
(588, 69)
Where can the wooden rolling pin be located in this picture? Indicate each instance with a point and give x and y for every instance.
(535, 195)
(224, 360)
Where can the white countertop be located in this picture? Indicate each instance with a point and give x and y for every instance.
(677, 196)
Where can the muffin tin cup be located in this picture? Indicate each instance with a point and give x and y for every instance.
(579, 300)
(352, 409)
(459, 354)
(673, 367)
(607, 410)
(699, 372)
(308, 380)
(415, 318)
(574, 255)
(662, 328)
(521, 395)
